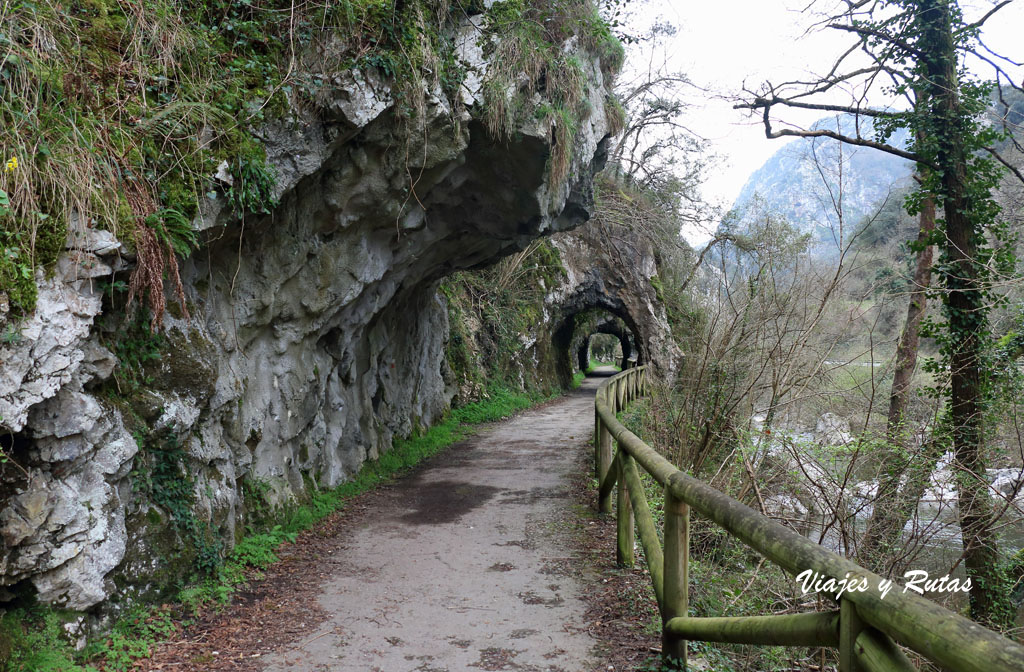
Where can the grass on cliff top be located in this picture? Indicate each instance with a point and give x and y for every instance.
(530, 58)
(119, 113)
(32, 638)
(102, 108)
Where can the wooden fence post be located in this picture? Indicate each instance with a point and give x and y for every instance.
(677, 577)
(604, 463)
(624, 554)
(850, 627)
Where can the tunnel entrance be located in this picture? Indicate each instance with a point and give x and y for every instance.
(596, 335)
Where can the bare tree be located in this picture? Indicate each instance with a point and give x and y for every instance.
(656, 151)
(902, 480)
(914, 47)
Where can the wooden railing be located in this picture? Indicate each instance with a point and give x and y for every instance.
(864, 628)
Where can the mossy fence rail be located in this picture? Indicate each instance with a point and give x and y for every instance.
(866, 626)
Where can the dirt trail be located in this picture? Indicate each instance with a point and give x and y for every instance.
(461, 566)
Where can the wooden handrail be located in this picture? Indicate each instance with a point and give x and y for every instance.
(812, 629)
(866, 619)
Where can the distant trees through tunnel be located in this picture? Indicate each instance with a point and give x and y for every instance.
(604, 348)
(596, 335)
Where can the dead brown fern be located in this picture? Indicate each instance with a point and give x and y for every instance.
(154, 257)
(147, 280)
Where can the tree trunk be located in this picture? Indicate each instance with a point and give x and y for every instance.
(893, 505)
(965, 311)
(906, 352)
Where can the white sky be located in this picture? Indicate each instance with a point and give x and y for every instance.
(721, 44)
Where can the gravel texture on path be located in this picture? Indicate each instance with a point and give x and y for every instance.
(461, 565)
(486, 557)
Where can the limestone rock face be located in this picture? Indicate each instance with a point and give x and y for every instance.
(316, 333)
(62, 522)
(49, 347)
(64, 525)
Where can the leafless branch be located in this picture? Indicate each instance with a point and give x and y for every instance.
(759, 103)
(822, 133)
(1009, 166)
(1000, 72)
(987, 15)
(865, 31)
(997, 55)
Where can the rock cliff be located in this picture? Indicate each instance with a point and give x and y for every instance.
(309, 337)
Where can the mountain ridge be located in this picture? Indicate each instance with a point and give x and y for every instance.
(808, 183)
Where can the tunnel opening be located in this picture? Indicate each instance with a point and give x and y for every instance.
(596, 334)
(611, 332)
(600, 349)
(604, 349)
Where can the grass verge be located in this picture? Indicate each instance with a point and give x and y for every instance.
(34, 639)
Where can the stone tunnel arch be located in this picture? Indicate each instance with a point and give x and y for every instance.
(588, 313)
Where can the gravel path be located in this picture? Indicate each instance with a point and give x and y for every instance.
(462, 565)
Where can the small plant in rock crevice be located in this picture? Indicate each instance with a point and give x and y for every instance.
(136, 347)
(162, 476)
